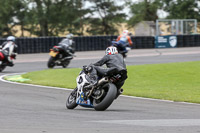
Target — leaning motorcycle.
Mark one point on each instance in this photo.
(3, 60)
(98, 95)
(120, 49)
(59, 56)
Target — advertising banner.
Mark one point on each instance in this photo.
(165, 41)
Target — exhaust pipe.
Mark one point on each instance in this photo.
(121, 91)
(67, 58)
(103, 80)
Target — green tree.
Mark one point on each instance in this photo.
(143, 11)
(80, 20)
(182, 9)
(108, 14)
(10, 10)
(52, 17)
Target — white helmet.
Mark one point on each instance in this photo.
(69, 36)
(125, 32)
(11, 38)
(111, 50)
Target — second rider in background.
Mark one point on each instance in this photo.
(67, 44)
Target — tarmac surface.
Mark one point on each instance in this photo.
(34, 109)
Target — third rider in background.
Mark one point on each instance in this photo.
(124, 39)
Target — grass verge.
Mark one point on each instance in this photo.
(171, 81)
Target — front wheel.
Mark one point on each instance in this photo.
(71, 100)
(110, 92)
(51, 62)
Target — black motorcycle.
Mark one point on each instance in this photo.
(97, 94)
(61, 55)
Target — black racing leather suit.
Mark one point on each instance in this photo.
(66, 45)
(111, 61)
(114, 63)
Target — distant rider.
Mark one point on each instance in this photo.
(124, 39)
(67, 44)
(9, 49)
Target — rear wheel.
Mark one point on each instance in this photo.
(2, 67)
(51, 62)
(109, 94)
(71, 100)
(66, 63)
(124, 55)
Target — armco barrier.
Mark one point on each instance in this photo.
(89, 43)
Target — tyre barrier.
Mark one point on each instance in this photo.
(91, 43)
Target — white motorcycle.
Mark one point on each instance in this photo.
(95, 94)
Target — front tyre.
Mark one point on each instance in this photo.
(110, 92)
(51, 62)
(71, 100)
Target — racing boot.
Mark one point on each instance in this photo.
(10, 62)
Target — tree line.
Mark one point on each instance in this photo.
(95, 17)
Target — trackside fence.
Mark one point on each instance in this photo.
(91, 43)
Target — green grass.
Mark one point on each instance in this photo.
(65, 78)
(172, 81)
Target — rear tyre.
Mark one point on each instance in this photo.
(71, 100)
(2, 67)
(65, 64)
(110, 92)
(124, 55)
(51, 62)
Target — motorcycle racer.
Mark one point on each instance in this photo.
(66, 44)
(9, 49)
(124, 39)
(115, 64)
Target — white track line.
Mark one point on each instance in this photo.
(58, 88)
(154, 123)
(1, 79)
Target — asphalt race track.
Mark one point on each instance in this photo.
(33, 109)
